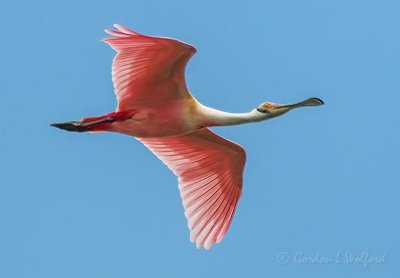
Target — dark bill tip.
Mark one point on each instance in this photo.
(321, 102)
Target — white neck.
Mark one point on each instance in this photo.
(214, 117)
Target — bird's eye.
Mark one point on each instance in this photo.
(263, 110)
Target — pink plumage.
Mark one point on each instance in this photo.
(149, 71)
(209, 170)
(156, 107)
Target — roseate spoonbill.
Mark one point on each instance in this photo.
(156, 107)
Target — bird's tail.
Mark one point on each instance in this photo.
(95, 124)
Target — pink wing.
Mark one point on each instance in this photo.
(209, 170)
(147, 71)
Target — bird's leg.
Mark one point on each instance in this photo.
(84, 126)
(72, 126)
(100, 123)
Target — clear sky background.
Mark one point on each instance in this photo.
(318, 182)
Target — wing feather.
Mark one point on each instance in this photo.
(147, 70)
(209, 170)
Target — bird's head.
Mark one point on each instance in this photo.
(270, 109)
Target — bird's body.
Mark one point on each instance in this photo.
(155, 106)
(164, 121)
(177, 118)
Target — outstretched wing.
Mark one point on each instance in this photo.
(147, 71)
(209, 169)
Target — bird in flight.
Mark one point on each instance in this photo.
(156, 107)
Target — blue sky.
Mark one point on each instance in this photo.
(318, 182)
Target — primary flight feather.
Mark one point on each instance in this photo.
(156, 107)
